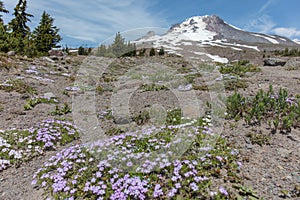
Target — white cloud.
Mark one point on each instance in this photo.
(261, 21)
(265, 6)
(287, 32)
(262, 24)
(93, 20)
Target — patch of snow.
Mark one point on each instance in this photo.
(186, 43)
(296, 41)
(267, 38)
(233, 26)
(192, 29)
(283, 39)
(237, 45)
(215, 58)
(238, 49)
(272, 36)
(213, 44)
(199, 53)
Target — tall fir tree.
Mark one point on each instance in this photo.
(18, 24)
(46, 34)
(2, 10)
(3, 32)
(152, 52)
(118, 46)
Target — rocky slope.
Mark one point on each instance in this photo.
(197, 35)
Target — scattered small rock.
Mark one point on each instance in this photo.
(49, 95)
(11, 53)
(47, 59)
(121, 120)
(185, 87)
(56, 53)
(54, 58)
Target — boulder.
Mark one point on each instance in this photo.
(274, 62)
(11, 53)
(293, 64)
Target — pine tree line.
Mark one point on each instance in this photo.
(119, 48)
(17, 36)
(288, 52)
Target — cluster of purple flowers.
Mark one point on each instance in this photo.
(34, 140)
(77, 170)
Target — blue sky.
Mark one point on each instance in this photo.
(91, 22)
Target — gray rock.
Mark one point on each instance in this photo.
(49, 95)
(56, 53)
(11, 53)
(47, 59)
(274, 62)
(293, 64)
(54, 58)
(185, 87)
(121, 120)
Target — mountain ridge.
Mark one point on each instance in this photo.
(211, 31)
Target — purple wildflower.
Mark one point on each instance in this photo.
(157, 191)
(223, 191)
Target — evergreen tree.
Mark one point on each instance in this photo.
(118, 46)
(2, 10)
(46, 34)
(18, 24)
(4, 38)
(101, 50)
(81, 51)
(152, 52)
(161, 51)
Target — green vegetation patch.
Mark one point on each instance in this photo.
(17, 85)
(279, 110)
(17, 146)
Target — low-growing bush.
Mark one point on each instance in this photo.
(32, 102)
(153, 87)
(17, 86)
(239, 68)
(281, 110)
(235, 84)
(62, 111)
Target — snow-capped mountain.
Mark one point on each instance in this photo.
(197, 33)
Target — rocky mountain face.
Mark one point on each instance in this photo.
(196, 36)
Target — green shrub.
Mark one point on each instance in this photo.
(153, 87)
(174, 117)
(238, 68)
(279, 110)
(235, 84)
(17, 86)
(152, 52)
(161, 51)
(142, 118)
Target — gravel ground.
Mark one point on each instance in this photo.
(268, 169)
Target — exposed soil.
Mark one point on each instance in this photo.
(269, 168)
